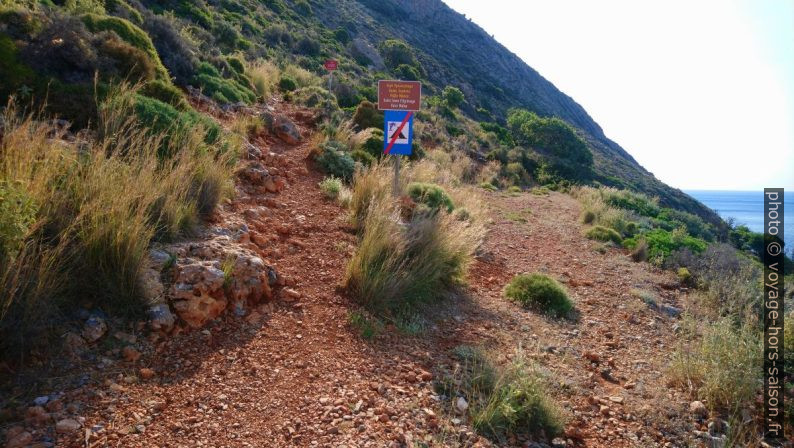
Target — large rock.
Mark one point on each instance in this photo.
(286, 130)
(198, 292)
(198, 310)
(249, 280)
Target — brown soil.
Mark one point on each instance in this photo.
(301, 376)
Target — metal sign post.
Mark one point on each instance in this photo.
(331, 65)
(399, 100)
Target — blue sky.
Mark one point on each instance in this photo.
(701, 92)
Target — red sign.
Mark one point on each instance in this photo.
(399, 95)
(331, 64)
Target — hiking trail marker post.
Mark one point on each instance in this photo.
(331, 65)
(399, 100)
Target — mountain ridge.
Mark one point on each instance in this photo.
(462, 41)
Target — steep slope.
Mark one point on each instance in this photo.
(456, 51)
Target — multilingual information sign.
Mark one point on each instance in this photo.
(399, 95)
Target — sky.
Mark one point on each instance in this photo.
(701, 93)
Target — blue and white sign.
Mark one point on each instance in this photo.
(398, 130)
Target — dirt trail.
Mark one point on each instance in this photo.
(296, 374)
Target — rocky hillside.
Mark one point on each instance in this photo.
(455, 51)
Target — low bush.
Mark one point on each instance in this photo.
(600, 233)
(172, 125)
(373, 142)
(221, 89)
(488, 186)
(453, 96)
(129, 33)
(661, 243)
(367, 115)
(362, 157)
(636, 202)
(166, 93)
(539, 292)
(728, 281)
(314, 96)
(430, 195)
(331, 186)
(287, 84)
(334, 160)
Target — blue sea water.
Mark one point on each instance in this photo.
(747, 207)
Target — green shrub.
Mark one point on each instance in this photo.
(367, 115)
(588, 217)
(287, 84)
(661, 243)
(307, 46)
(341, 35)
(129, 33)
(221, 89)
(453, 96)
(695, 226)
(514, 189)
(407, 72)
(314, 96)
(552, 135)
(334, 160)
(396, 53)
(159, 118)
(431, 195)
(539, 292)
(373, 145)
(600, 233)
(166, 93)
(363, 157)
(237, 64)
(488, 186)
(331, 186)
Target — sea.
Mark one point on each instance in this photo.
(747, 207)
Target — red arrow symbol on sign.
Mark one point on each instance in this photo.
(397, 133)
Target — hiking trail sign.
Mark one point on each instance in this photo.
(399, 100)
(331, 64)
(399, 95)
